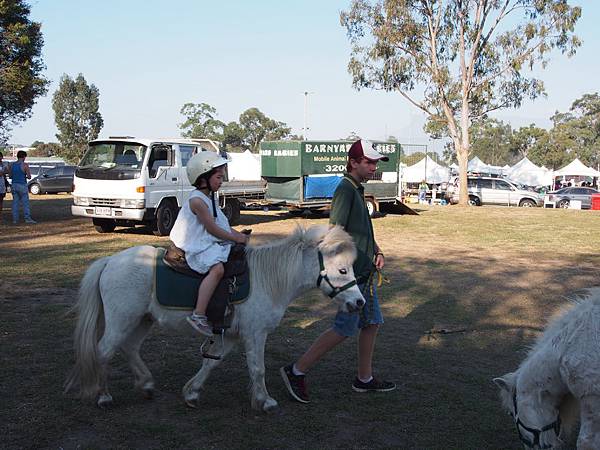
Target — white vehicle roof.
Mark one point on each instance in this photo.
(149, 141)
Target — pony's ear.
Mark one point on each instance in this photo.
(504, 382)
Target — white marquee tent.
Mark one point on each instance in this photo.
(244, 166)
(528, 173)
(576, 167)
(477, 165)
(426, 169)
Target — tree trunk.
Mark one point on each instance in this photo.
(462, 154)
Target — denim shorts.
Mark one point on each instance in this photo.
(348, 324)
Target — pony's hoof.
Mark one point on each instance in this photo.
(148, 394)
(105, 401)
(272, 407)
(192, 401)
(148, 390)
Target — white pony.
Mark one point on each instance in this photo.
(559, 381)
(118, 291)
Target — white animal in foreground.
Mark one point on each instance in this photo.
(559, 381)
(118, 290)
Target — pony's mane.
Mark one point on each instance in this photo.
(276, 265)
(580, 310)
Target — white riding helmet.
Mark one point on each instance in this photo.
(203, 162)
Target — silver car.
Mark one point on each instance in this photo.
(562, 198)
(497, 191)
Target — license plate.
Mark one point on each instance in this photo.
(102, 210)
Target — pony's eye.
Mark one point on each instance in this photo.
(343, 271)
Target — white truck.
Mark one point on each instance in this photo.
(127, 181)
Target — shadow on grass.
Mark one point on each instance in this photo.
(445, 398)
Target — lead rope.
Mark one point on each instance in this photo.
(381, 280)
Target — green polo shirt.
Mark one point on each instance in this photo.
(348, 209)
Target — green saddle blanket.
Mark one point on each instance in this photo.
(179, 291)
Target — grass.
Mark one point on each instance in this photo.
(497, 273)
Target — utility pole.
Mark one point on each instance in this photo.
(305, 129)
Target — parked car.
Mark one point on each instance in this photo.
(563, 197)
(58, 179)
(495, 191)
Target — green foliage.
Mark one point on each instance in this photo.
(41, 149)
(491, 141)
(258, 127)
(21, 64)
(253, 127)
(75, 105)
(233, 136)
(201, 122)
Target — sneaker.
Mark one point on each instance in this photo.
(374, 385)
(200, 324)
(30, 221)
(294, 384)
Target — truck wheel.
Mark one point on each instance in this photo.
(295, 212)
(371, 206)
(166, 214)
(231, 209)
(104, 225)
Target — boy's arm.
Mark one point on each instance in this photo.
(27, 171)
(341, 204)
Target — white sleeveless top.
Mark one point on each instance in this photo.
(202, 249)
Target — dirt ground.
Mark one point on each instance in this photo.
(494, 275)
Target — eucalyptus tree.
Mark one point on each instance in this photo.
(457, 60)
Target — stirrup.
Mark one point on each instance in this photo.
(210, 341)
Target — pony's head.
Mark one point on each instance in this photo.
(535, 411)
(337, 253)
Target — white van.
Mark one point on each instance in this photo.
(124, 181)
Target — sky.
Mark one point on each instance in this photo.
(150, 57)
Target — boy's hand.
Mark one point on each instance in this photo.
(379, 261)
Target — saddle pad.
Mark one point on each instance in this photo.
(179, 291)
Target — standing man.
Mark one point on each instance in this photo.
(348, 209)
(19, 172)
(3, 183)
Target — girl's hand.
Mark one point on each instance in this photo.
(240, 238)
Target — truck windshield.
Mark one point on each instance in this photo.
(108, 155)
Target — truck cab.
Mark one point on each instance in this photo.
(124, 181)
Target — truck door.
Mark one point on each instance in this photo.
(163, 175)
(185, 153)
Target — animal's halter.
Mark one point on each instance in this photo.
(335, 290)
(534, 431)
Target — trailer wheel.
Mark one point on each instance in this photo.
(371, 206)
(231, 209)
(165, 218)
(104, 225)
(295, 212)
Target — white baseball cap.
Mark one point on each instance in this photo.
(365, 149)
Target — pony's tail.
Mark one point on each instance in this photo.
(90, 315)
